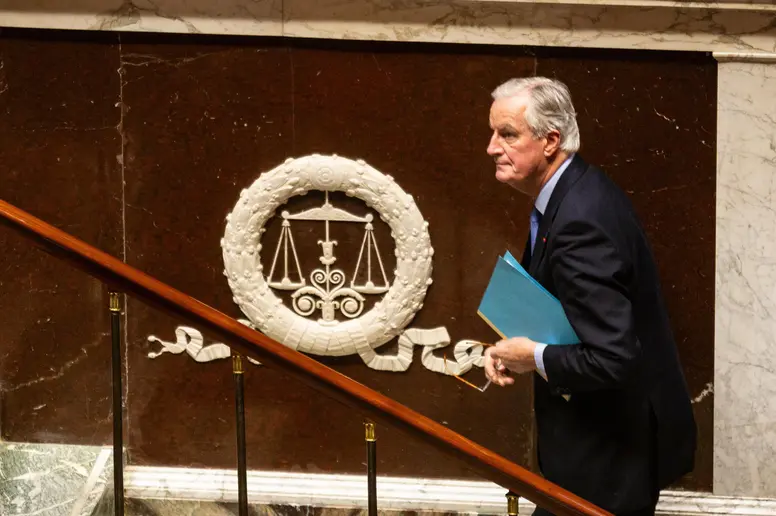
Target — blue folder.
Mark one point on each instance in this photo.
(516, 305)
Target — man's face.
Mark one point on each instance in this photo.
(520, 159)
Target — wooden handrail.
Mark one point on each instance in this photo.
(121, 277)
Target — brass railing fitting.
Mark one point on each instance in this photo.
(115, 303)
(370, 431)
(512, 504)
(237, 367)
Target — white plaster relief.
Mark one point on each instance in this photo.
(192, 342)
(465, 354)
(245, 273)
(327, 292)
(360, 333)
(745, 331)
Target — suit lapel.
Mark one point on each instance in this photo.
(526, 260)
(575, 170)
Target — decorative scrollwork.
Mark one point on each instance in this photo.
(318, 277)
(324, 293)
(337, 278)
(304, 304)
(192, 342)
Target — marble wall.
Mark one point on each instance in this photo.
(744, 428)
(214, 139)
(177, 126)
(721, 25)
(59, 143)
(54, 480)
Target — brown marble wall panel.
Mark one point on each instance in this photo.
(202, 121)
(419, 114)
(201, 118)
(214, 139)
(649, 120)
(59, 144)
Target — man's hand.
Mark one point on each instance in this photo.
(515, 354)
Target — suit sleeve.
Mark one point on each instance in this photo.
(591, 279)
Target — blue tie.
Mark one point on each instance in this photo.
(536, 219)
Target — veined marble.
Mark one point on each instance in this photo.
(52, 480)
(211, 491)
(189, 508)
(745, 348)
(260, 17)
(722, 26)
(593, 24)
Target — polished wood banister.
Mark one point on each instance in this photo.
(120, 276)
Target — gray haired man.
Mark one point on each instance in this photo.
(614, 419)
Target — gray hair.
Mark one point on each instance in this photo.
(549, 108)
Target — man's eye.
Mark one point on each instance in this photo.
(508, 136)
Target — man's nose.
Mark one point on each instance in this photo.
(494, 149)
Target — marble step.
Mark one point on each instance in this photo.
(66, 480)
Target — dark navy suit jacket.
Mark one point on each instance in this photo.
(627, 428)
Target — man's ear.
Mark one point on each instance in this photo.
(553, 143)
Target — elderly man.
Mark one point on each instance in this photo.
(613, 413)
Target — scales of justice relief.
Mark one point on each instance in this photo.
(326, 313)
(327, 292)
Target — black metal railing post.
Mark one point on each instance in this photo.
(242, 466)
(513, 504)
(118, 412)
(371, 467)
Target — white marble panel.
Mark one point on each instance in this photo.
(544, 24)
(317, 490)
(725, 26)
(256, 17)
(209, 490)
(745, 357)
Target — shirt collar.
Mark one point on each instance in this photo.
(544, 195)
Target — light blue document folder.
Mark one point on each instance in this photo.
(516, 305)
